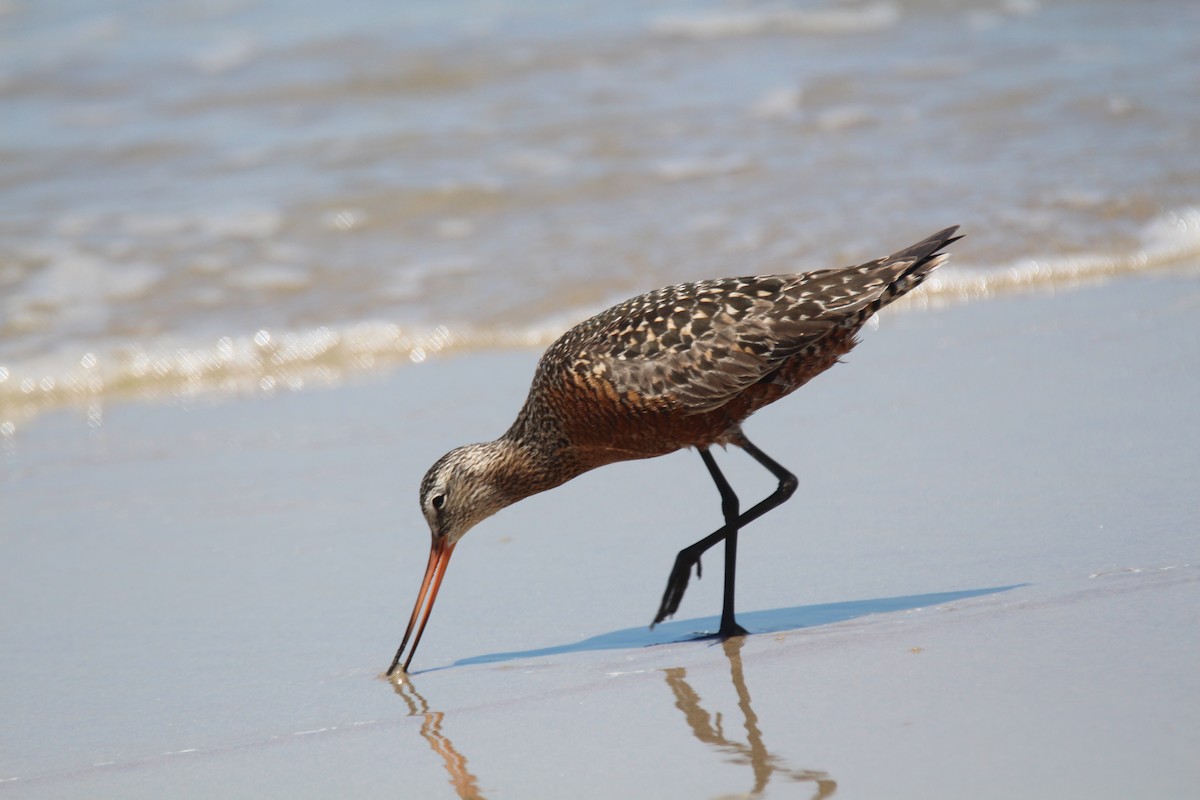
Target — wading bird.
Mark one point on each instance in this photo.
(679, 367)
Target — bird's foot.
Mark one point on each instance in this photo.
(681, 573)
(730, 629)
(726, 632)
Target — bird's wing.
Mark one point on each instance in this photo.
(696, 346)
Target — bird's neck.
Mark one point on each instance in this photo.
(518, 469)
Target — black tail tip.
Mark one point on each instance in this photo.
(928, 247)
(942, 238)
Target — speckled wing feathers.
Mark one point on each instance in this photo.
(695, 346)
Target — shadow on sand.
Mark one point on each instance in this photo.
(767, 621)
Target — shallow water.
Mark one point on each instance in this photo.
(266, 196)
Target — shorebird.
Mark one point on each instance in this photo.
(679, 367)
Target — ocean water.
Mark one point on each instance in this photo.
(236, 196)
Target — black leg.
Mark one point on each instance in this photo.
(689, 556)
(730, 508)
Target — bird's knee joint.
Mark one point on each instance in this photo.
(788, 486)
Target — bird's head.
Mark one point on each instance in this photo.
(461, 489)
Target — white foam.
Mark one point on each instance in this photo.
(254, 223)
(1172, 238)
(781, 103)
(231, 50)
(1021, 8)
(683, 169)
(269, 360)
(264, 361)
(826, 21)
(69, 286)
(843, 118)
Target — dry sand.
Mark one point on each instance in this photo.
(986, 586)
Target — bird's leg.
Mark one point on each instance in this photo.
(688, 557)
(787, 481)
(730, 508)
(681, 572)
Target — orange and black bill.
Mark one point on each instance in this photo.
(439, 559)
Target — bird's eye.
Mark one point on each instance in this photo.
(438, 501)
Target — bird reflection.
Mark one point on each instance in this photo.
(464, 783)
(708, 729)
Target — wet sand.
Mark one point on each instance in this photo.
(986, 585)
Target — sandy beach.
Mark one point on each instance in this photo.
(262, 263)
(986, 586)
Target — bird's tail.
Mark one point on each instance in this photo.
(910, 266)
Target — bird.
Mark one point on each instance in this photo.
(680, 367)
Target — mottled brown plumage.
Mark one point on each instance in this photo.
(679, 367)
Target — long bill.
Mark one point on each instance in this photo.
(439, 559)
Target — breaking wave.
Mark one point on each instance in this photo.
(270, 361)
